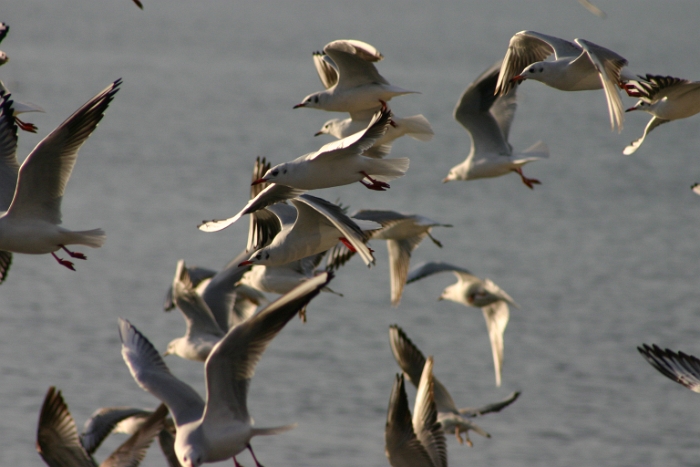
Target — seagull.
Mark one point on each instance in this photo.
(417, 443)
(402, 232)
(203, 332)
(59, 445)
(666, 98)
(411, 360)
(316, 227)
(22, 107)
(342, 162)
(680, 367)
(107, 420)
(469, 290)
(578, 66)
(354, 84)
(487, 118)
(4, 29)
(31, 194)
(417, 127)
(220, 428)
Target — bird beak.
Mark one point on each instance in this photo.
(631, 109)
(299, 105)
(318, 133)
(445, 180)
(166, 353)
(258, 181)
(439, 299)
(517, 78)
(245, 263)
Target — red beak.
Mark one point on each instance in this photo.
(631, 109)
(245, 263)
(299, 105)
(258, 181)
(517, 78)
(318, 133)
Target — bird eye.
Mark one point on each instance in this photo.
(258, 256)
(284, 171)
(532, 70)
(316, 99)
(267, 255)
(275, 172)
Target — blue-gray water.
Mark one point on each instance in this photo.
(602, 257)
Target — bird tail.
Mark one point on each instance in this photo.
(417, 127)
(93, 238)
(389, 169)
(537, 151)
(273, 430)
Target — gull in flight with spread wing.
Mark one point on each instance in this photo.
(31, 194)
(666, 98)
(221, 427)
(487, 118)
(411, 360)
(680, 367)
(353, 82)
(577, 66)
(470, 290)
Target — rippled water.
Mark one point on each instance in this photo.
(602, 257)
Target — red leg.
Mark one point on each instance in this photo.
(375, 185)
(235, 462)
(347, 244)
(73, 254)
(258, 464)
(527, 181)
(63, 262)
(30, 127)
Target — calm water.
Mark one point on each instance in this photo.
(602, 257)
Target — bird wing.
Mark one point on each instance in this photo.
(355, 63)
(474, 112)
(680, 367)
(488, 408)
(326, 69)
(195, 310)
(411, 361)
(496, 316)
(151, 373)
(231, 363)
(270, 195)
(433, 267)
(9, 167)
(428, 431)
(57, 436)
(103, 421)
(399, 260)
(45, 172)
(401, 446)
(634, 145)
(132, 451)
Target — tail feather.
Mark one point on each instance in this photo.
(273, 430)
(537, 151)
(93, 238)
(417, 127)
(389, 169)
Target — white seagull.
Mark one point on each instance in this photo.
(203, 332)
(220, 428)
(402, 232)
(680, 367)
(59, 445)
(31, 194)
(22, 107)
(354, 84)
(666, 98)
(411, 360)
(487, 118)
(469, 290)
(419, 442)
(577, 66)
(343, 162)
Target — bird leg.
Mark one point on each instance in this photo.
(63, 262)
(258, 464)
(527, 181)
(235, 462)
(302, 314)
(347, 244)
(26, 126)
(435, 241)
(73, 254)
(457, 434)
(376, 185)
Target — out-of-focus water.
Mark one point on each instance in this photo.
(602, 257)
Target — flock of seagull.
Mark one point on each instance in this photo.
(229, 320)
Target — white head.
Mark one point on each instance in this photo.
(312, 101)
(275, 174)
(458, 172)
(640, 105)
(539, 71)
(262, 256)
(332, 127)
(453, 293)
(188, 455)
